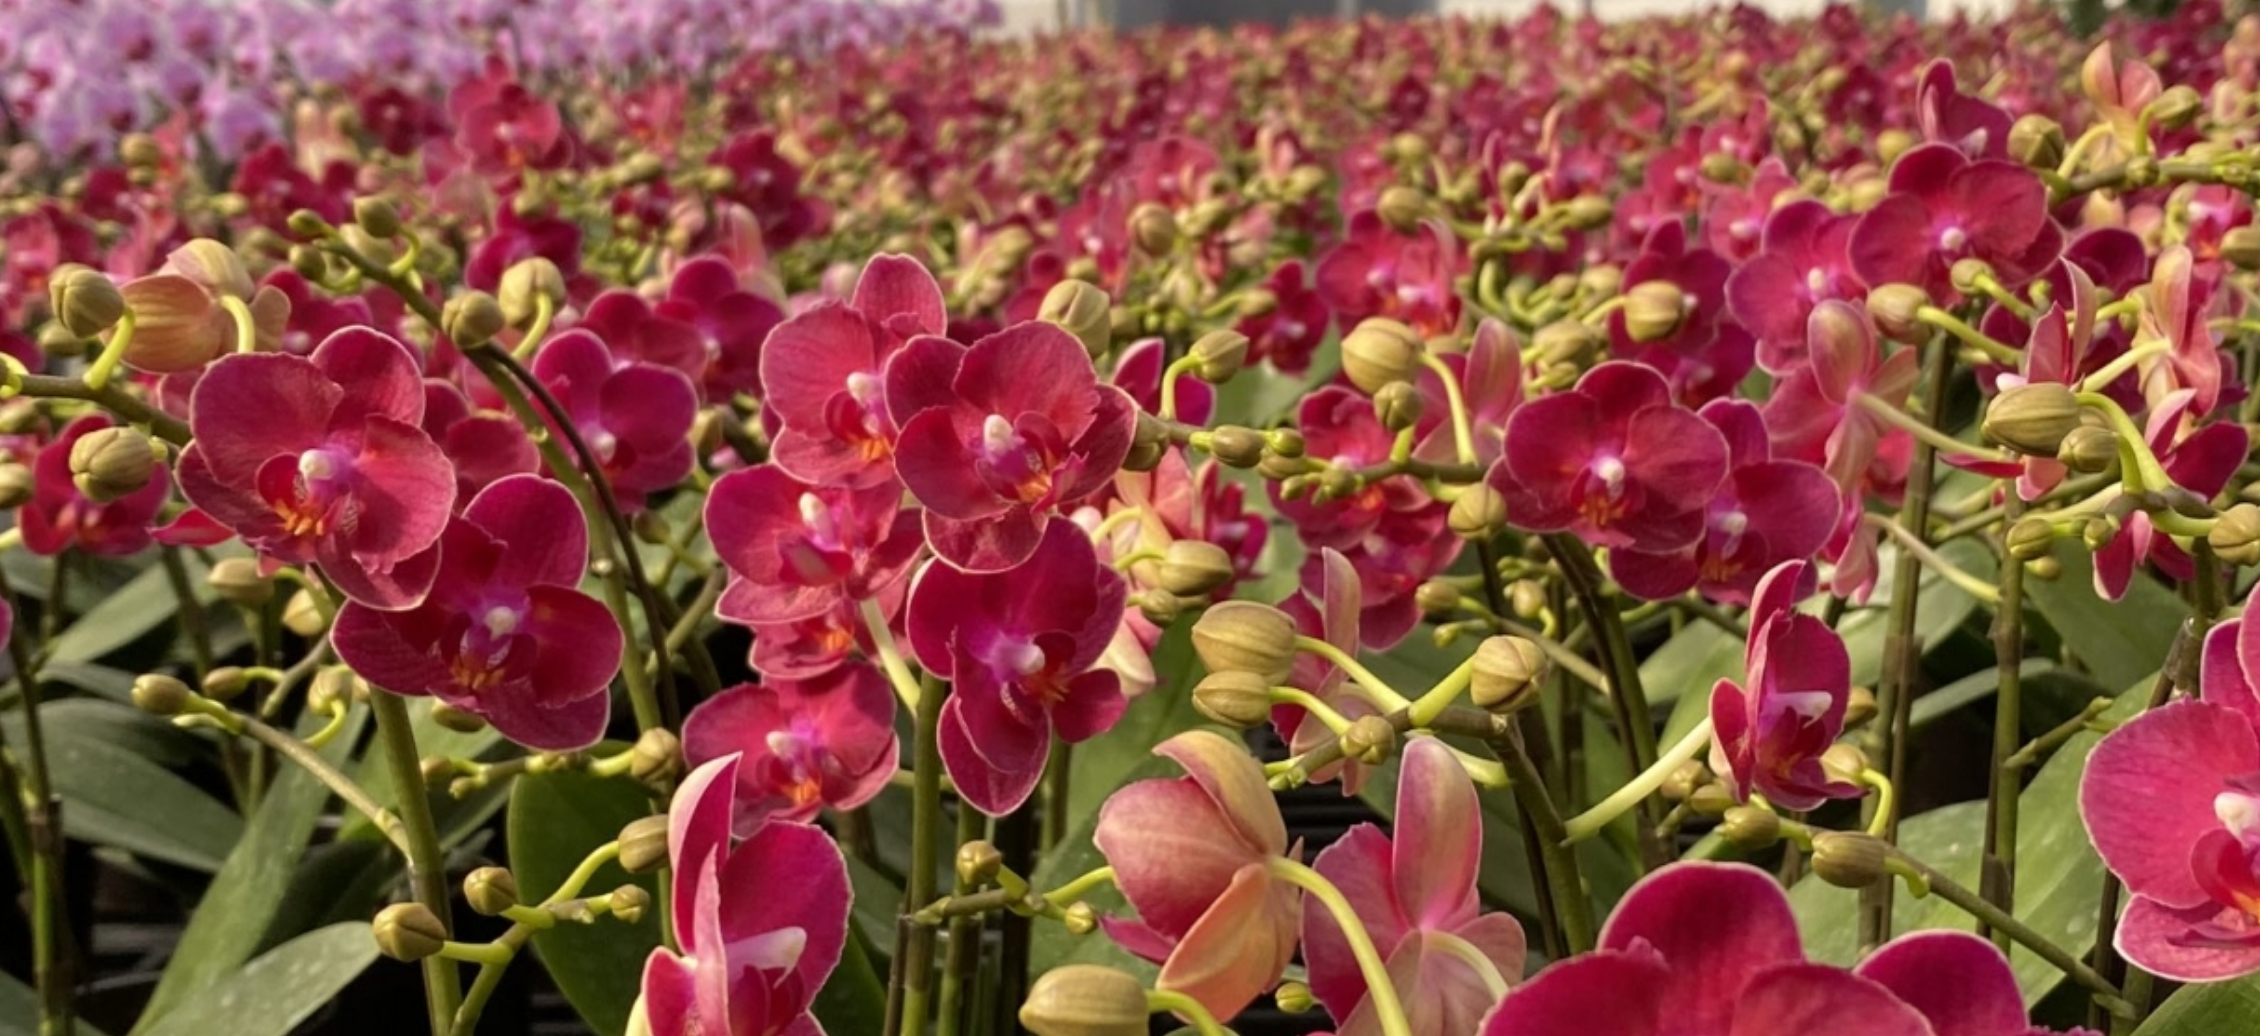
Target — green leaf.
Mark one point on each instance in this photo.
(877, 897)
(231, 922)
(2121, 641)
(2059, 876)
(114, 795)
(1940, 609)
(285, 986)
(854, 999)
(556, 820)
(2212, 1009)
(19, 1010)
(1684, 670)
(107, 721)
(432, 739)
(134, 609)
(1103, 763)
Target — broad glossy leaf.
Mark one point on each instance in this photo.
(455, 818)
(854, 999)
(2213, 1009)
(134, 609)
(877, 897)
(231, 922)
(1940, 609)
(1103, 763)
(115, 796)
(556, 820)
(2119, 642)
(19, 1010)
(285, 986)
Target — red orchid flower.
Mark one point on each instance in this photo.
(827, 742)
(822, 373)
(1772, 728)
(795, 550)
(1614, 461)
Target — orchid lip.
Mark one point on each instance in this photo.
(863, 387)
(1953, 239)
(2239, 813)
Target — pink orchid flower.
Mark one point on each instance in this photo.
(504, 634)
(1766, 512)
(794, 550)
(822, 374)
(1773, 727)
(1614, 461)
(803, 745)
(1416, 894)
(634, 416)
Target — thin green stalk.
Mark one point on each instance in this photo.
(488, 979)
(2022, 934)
(190, 611)
(1589, 823)
(54, 965)
(1190, 1009)
(1998, 882)
(1379, 990)
(1901, 648)
(1059, 775)
(109, 397)
(963, 961)
(427, 865)
(1572, 909)
(917, 974)
(1635, 720)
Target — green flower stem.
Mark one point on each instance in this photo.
(2124, 362)
(1484, 967)
(1177, 368)
(961, 964)
(1463, 428)
(1589, 823)
(488, 978)
(1447, 690)
(1531, 724)
(1635, 720)
(1573, 910)
(113, 354)
(584, 873)
(2138, 466)
(2022, 934)
(320, 739)
(107, 396)
(1993, 348)
(890, 656)
(1378, 989)
(427, 865)
(1997, 882)
(344, 787)
(190, 611)
(1383, 696)
(1886, 802)
(1931, 559)
(917, 951)
(545, 311)
(54, 965)
(246, 330)
(1186, 1007)
(1902, 650)
(1067, 894)
(1924, 433)
(1335, 722)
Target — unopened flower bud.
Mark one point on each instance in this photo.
(1437, 597)
(643, 844)
(2176, 108)
(1236, 446)
(472, 319)
(1653, 310)
(1507, 673)
(161, 695)
(225, 683)
(978, 863)
(2235, 536)
(1968, 274)
(1248, 636)
(1370, 740)
(1380, 351)
(2030, 538)
(628, 902)
(1749, 827)
(2037, 141)
(1859, 706)
(1711, 800)
(1479, 512)
(139, 150)
(302, 616)
(1085, 1000)
(333, 688)
(1849, 859)
(1293, 998)
(408, 932)
(657, 757)
(1218, 355)
(1844, 762)
(491, 890)
(1402, 208)
(15, 486)
(1190, 568)
(1601, 280)
(1153, 229)
(1567, 341)
(85, 302)
(1082, 310)
(2241, 247)
(1079, 919)
(1285, 442)
(2099, 531)
(1527, 597)
(1398, 405)
(435, 770)
(1896, 310)
(1684, 780)
(2089, 449)
(1891, 143)
(376, 217)
(462, 721)
(239, 581)
(1159, 606)
(1587, 212)
(524, 282)
(1235, 698)
(109, 463)
(2033, 418)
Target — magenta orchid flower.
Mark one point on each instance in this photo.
(1379, 271)
(822, 373)
(1771, 729)
(322, 460)
(59, 517)
(1766, 512)
(1021, 647)
(1815, 413)
(751, 961)
(1290, 330)
(803, 648)
(635, 417)
(1614, 461)
(1339, 427)
(2172, 802)
(824, 742)
(504, 634)
(1415, 892)
(2176, 313)
(1944, 207)
(999, 435)
(484, 446)
(1193, 856)
(1331, 610)
(1957, 981)
(730, 323)
(795, 550)
(1704, 949)
(1805, 260)
(2200, 461)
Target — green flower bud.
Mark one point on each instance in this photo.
(472, 319)
(161, 695)
(109, 463)
(408, 932)
(1082, 310)
(376, 217)
(523, 283)
(1684, 780)
(1249, 636)
(2089, 449)
(491, 890)
(2030, 538)
(1219, 355)
(2241, 247)
(1711, 800)
(1479, 512)
(1398, 406)
(1190, 568)
(1236, 446)
(2037, 141)
(139, 150)
(1437, 598)
(1285, 442)
(1153, 229)
(1588, 212)
(1370, 740)
(1402, 208)
(2033, 418)
(628, 902)
(302, 616)
(1653, 310)
(1380, 351)
(1567, 341)
(978, 863)
(1293, 998)
(1850, 860)
(657, 757)
(1896, 310)
(1235, 698)
(225, 683)
(15, 486)
(1749, 827)
(1527, 597)
(1844, 762)
(1160, 607)
(643, 844)
(461, 721)
(1085, 1000)
(2235, 537)
(1507, 673)
(2176, 108)
(239, 581)
(85, 302)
